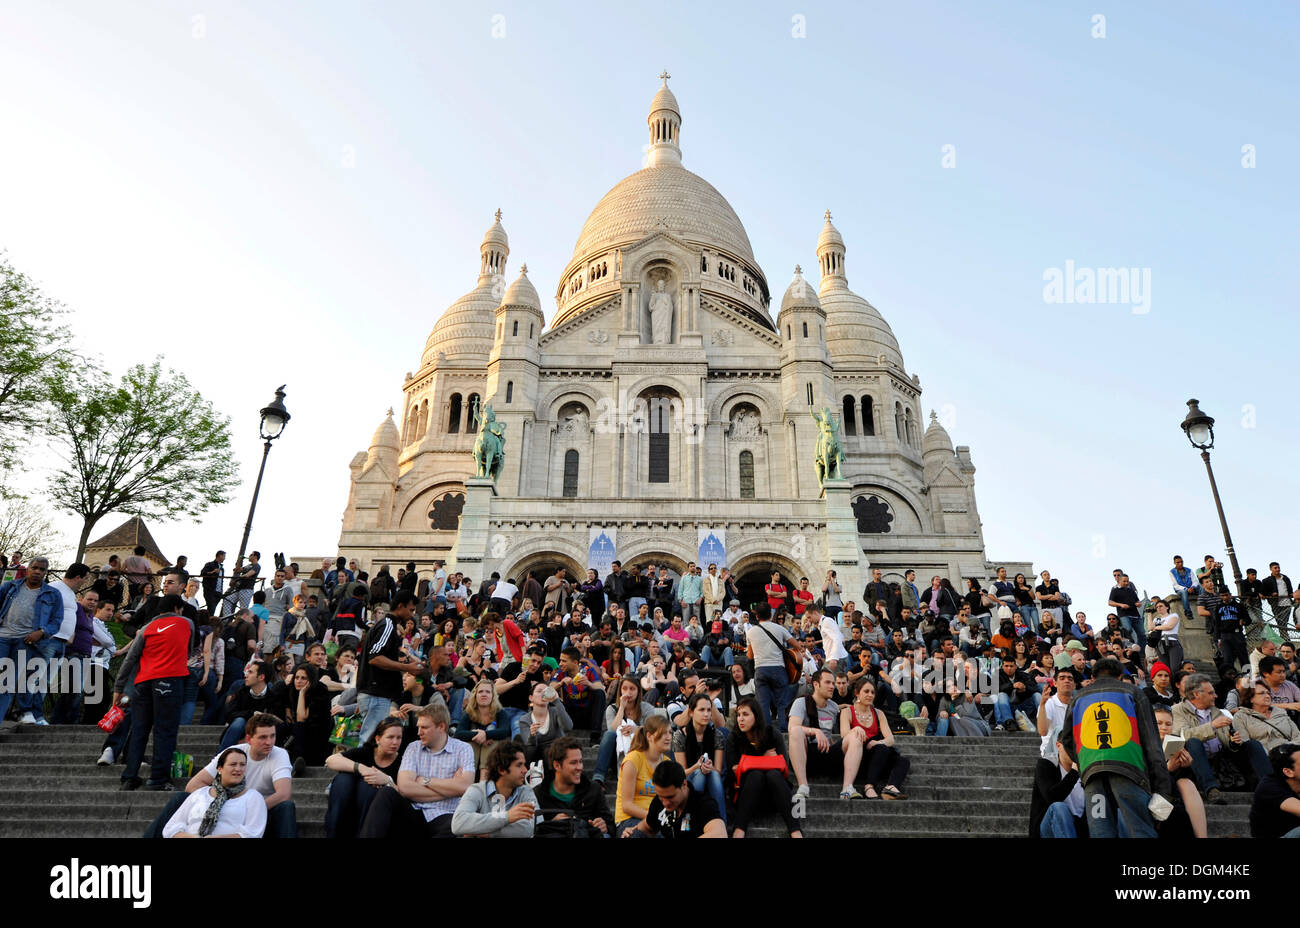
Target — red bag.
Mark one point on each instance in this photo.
(750, 762)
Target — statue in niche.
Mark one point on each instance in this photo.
(744, 427)
(575, 423)
(661, 315)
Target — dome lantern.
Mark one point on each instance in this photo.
(665, 122)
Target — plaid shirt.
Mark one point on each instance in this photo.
(440, 765)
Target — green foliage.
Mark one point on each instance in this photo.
(148, 446)
(34, 348)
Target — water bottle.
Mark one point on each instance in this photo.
(113, 717)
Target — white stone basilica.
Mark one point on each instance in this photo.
(663, 405)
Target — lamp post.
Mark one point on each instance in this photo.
(1200, 432)
(274, 418)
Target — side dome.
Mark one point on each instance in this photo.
(522, 292)
(800, 293)
(937, 440)
(855, 330)
(385, 444)
(464, 332)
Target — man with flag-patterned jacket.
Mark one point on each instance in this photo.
(1110, 733)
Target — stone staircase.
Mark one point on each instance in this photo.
(958, 787)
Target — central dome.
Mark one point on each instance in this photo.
(687, 204)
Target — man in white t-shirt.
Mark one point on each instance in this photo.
(269, 772)
(503, 595)
(837, 656)
(1051, 711)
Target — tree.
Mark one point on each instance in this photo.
(150, 447)
(24, 527)
(34, 348)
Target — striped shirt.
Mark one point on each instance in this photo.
(439, 765)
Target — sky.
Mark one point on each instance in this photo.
(274, 192)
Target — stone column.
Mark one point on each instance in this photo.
(842, 537)
(471, 547)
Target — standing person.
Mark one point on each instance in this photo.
(1185, 585)
(51, 646)
(501, 594)
(1279, 592)
(803, 598)
(1121, 765)
(245, 579)
(67, 708)
(435, 772)
(213, 583)
(714, 589)
(30, 610)
(876, 591)
(1168, 625)
(1124, 600)
(832, 595)
(158, 662)
(776, 592)
(279, 597)
(380, 665)
(557, 591)
(137, 569)
(766, 645)
(690, 591)
(1229, 619)
(111, 589)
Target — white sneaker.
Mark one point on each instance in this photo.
(105, 759)
(28, 719)
(803, 791)
(42, 721)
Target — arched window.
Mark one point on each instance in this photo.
(571, 473)
(411, 415)
(868, 416)
(514, 329)
(850, 420)
(810, 395)
(472, 413)
(907, 424)
(510, 390)
(746, 475)
(453, 415)
(805, 330)
(898, 421)
(788, 336)
(660, 413)
(423, 419)
(530, 330)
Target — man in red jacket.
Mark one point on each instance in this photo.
(158, 659)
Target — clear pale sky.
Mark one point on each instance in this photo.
(271, 193)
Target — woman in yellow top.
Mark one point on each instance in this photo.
(651, 744)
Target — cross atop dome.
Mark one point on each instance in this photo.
(390, 412)
(798, 269)
(523, 269)
(665, 75)
(499, 213)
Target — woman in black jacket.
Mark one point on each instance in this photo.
(758, 789)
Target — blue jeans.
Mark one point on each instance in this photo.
(373, 709)
(1002, 708)
(349, 801)
(157, 708)
(191, 697)
(711, 784)
(233, 734)
(214, 704)
(727, 657)
(51, 652)
(1058, 822)
(14, 649)
(1137, 629)
(457, 705)
(1115, 806)
(772, 688)
(513, 715)
(605, 755)
(1248, 758)
(1030, 615)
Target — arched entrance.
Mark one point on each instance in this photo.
(753, 573)
(541, 565)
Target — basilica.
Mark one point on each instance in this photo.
(668, 413)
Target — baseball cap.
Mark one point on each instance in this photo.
(1075, 646)
(734, 602)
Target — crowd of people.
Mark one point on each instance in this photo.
(446, 708)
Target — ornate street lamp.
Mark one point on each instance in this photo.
(274, 418)
(1200, 432)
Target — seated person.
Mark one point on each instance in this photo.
(1264, 721)
(268, 773)
(569, 804)
(434, 774)
(698, 747)
(582, 690)
(651, 745)
(546, 722)
(500, 805)
(1209, 733)
(1275, 810)
(484, 723)
(227, 808)
(864, 731)
(763, 785)
(814, 732)
(622, 719)
(677, 811)
(255, 696)
(1057, 807)
(360, 773)
(1188, 800)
